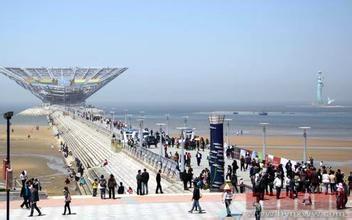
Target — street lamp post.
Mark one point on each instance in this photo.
(161, 138)
(227, 130)
(129, 121)
(167, 122)
(305, 143)
(264, 138)
(141, 120)
(112, 121)
(141, 125)
(182, 139)
(8, 116)
(126, 111)
(185, 119)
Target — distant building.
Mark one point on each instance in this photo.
(62, 85)
(320, 86)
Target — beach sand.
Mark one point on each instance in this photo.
(38, 155)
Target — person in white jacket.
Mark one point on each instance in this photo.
(277, 184)
(326, 181)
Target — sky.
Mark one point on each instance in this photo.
(185, 51)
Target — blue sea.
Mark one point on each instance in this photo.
(284, 119)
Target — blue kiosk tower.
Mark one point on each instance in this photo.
(216, 155)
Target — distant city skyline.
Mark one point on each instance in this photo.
(186, 51)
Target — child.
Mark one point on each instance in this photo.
(242, 187)
(130, 191)
(82, 181)
(95, 187)
(307, 200)
(258, 210)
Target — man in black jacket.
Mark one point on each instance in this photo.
(184, 178)
(112, 185)
(34, 198)
(139, 183)
(145, 179)
(196, 196)
(158, 185)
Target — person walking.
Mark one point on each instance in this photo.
(34, 199)
(26, 194)
(242, 161)
(102, 185)
(234, 167)
(139, 182)
(234, 182)
(258, 210)
(112, 185)
(158, 183)
(67, 201)
(196, 197)
(227, 198)
(199, 157)
(228, 173)
(145, 179)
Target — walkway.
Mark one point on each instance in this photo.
(93, 148)
(173, 206)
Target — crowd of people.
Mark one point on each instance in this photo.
(64, 149)
(303, 177)
(266, 178)
(30, 193)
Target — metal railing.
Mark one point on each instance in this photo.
(167, 166)
(96, 126)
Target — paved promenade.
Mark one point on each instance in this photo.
(173, 206)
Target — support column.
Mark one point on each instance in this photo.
(216, 154)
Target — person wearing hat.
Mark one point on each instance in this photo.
(227, 198)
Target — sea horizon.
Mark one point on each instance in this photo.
(284, 118)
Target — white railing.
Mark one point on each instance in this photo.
(167, 166)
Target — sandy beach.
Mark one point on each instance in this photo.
(38, 154)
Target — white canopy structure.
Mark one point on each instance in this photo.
(62, 85)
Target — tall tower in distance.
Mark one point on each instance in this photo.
(320, 86)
